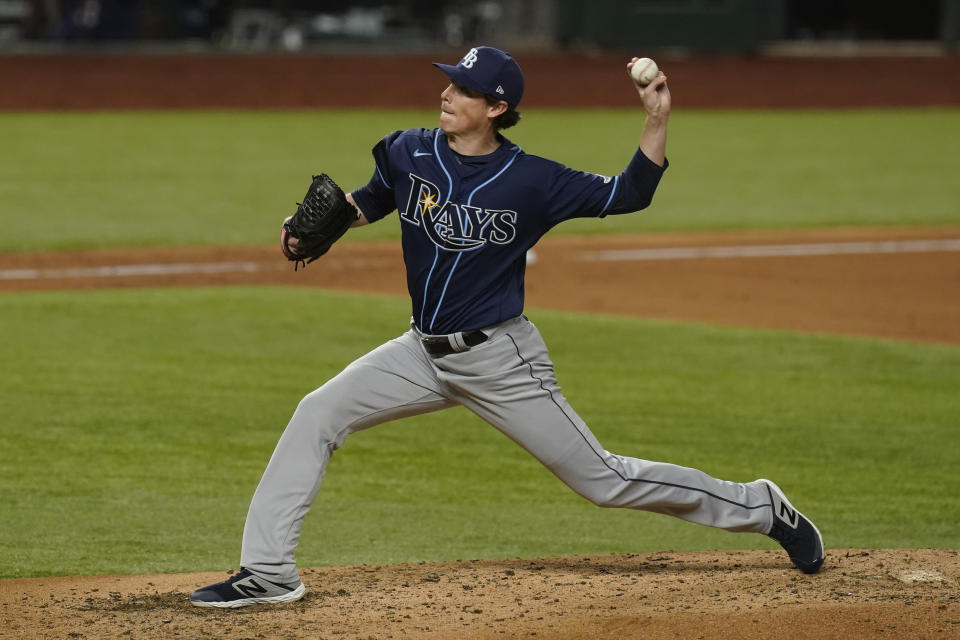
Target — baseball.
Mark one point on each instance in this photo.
(644, 71)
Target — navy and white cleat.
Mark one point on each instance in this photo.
(795, 532)
(244, 589)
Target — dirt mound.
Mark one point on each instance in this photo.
(716, 594)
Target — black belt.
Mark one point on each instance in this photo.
(438, 346)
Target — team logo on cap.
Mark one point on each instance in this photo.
(469, 59)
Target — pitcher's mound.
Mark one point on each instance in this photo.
(712, 594)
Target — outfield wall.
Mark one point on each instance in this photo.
(121, 81)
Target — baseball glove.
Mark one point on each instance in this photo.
(320, 220)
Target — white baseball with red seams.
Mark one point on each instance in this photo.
(644, 71)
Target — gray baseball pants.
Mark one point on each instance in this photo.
(509, 382)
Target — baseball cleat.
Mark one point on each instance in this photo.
(794, 531)
(244, 589)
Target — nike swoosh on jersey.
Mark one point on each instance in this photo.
(418, 153)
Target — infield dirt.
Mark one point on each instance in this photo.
(868, 290)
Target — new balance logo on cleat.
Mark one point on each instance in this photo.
(790, 516)
(250, 587)
(244, 589)
(794, 531)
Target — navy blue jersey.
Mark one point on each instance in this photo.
(468, 221)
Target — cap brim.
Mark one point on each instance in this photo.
(458, 75)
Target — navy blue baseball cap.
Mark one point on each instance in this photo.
(489, 71)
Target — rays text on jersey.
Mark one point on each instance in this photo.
(453, 226)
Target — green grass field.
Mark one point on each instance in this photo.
(136, 425)
(88, 180)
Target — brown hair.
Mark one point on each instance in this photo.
(505, 120)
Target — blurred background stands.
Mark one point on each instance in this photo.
(675, 26)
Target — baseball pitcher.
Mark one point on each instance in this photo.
(470, 203)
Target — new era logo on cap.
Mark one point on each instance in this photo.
(490, 71)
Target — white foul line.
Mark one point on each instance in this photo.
(775, 250)
(120, 271)
(609, 255)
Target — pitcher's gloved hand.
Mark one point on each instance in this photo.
(320, 220)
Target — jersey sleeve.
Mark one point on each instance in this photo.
(375, 199)
(578, 194)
